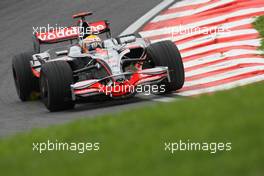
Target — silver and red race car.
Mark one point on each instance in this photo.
(113, 67)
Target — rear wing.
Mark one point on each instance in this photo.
(68, 34)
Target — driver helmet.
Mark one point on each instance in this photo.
(91, 43)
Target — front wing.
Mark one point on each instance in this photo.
(116, 89)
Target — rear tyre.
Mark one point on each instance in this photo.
(26, 83)
(55, 80)
(166, 53)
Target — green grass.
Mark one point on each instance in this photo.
(132, 142)
(259, 25)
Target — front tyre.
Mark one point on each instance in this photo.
(166, 53)
(25, 82)
(55, 80)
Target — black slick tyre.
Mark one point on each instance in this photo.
(55, 80)
(26, 83)
(166, 53)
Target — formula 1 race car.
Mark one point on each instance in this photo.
(112, 67)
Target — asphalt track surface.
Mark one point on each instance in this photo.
(17, 19)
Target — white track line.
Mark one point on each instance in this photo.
(226, 86)
(224, 65)
(255, 43)
(220, 56)
(190, 12)
(188, 3)
(164, 99)
(214, 36)
(224, 27)
(177, 29)
(222, 76)
(141, 21)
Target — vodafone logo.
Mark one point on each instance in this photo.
(50, 33)
(58, 34)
